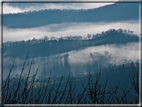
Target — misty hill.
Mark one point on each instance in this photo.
(109, 13)
(45, 47)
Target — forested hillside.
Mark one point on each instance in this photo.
(52, 46)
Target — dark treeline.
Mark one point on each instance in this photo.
(46, 46)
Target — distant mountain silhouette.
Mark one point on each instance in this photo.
(109, 13)
(44, 47)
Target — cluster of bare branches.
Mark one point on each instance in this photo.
(22, 90)
(15, 89)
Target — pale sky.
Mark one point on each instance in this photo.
(11, 9)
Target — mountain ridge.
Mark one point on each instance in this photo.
(107, 13)
(51, 47)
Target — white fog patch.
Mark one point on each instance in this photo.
(66, 29)
(118, 54)
(8, 9)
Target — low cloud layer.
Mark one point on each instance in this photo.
(104, 55)
(66, 29)
(118, 53)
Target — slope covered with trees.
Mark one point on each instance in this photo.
(52, 46)
(107, 13)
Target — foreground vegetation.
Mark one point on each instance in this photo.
(23, 89)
